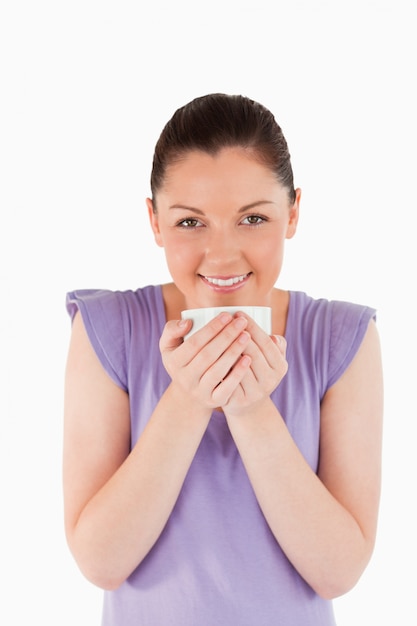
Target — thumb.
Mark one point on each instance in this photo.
(173, 334)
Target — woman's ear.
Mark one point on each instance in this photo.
(294, 215)
(153, 218)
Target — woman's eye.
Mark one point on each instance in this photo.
(253, 220)
(189, 222)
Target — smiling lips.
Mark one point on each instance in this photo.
(226, 283)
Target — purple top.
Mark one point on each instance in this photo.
(216, 561)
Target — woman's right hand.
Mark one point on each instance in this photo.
(209, 365)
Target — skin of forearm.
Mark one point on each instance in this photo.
(121, 523)
(319, 536)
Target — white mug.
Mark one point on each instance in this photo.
(260, 314)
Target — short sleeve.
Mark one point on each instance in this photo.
(104, 318)
(349, 323)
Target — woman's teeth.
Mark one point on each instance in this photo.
(228, 282)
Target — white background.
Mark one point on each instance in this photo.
(86, 87)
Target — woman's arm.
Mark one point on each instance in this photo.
(326, 524)
(116, 501)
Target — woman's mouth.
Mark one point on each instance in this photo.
(226, 283)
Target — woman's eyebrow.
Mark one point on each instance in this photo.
(247, 207)
(186, 208)
(252, 205)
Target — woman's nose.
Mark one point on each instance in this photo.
(222, 249)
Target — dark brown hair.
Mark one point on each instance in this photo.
(216, 121)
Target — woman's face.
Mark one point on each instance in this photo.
(223, 221)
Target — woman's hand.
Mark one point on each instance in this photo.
(268, 368)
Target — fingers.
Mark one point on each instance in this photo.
(205, 347)
(228, 386)
(223, 368)
(281, 342)
(269, 361)
(208, 357)
(200, 338)
(267, 347)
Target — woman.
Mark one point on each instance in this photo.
(229, 477)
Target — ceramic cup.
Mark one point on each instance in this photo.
(260, 314)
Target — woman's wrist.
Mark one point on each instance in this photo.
(251, 413)
(184, 404)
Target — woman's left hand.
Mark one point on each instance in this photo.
(268, 368)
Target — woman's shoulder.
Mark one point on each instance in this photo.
(306, 307)
(113, 319)
(112, 302)
(331, 331)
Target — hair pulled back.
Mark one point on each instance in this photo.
(216, 121)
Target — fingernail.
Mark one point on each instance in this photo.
(182, 323)
(243, 337)
(240, 322)
(224, 318)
